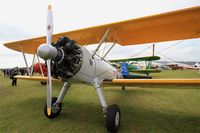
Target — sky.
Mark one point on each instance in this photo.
(23, 19)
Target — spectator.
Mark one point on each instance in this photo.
(14, 73)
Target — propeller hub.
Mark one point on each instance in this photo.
(46, 52)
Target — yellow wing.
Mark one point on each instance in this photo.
(154, 81)
(127, 81)
(175, 25)
(36, 78)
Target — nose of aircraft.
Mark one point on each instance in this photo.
(46, 52)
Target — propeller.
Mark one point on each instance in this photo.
(48, 52)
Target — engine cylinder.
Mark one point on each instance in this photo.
(68, 60)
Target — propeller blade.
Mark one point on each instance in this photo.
(49, 25)
(48, 40)
(49, 88)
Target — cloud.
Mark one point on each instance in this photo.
(19, 21)
(9, 32)
(186, 50)
(10, 58)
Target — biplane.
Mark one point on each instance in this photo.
(181, 66)
(67, 60)
(131, 64)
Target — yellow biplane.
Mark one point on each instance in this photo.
(68, 61)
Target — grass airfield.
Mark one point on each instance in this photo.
(147, 109)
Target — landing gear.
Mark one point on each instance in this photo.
(112, 113)
(56, 108)
(43, 83)
(123, 87)
(57, 102)
(113, 118)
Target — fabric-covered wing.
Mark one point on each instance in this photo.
(175, 25)
(146, 58)
(36, 78)
(153, 81)
(127, 81)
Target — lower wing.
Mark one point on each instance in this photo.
(153, 81)
(35, 78)
(127, 81)
(146, 71)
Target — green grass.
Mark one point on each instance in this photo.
(167, 109)
(177, 74)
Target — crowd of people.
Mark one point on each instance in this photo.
(12, 72)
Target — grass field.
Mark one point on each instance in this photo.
(163, 109)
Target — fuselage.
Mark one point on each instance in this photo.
(94, 67)
(71, 61)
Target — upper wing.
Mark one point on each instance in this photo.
(146, 58)
(175, 25)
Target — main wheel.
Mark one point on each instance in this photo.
(43, 83)
(113, 118)
(123, 87)
(55, 109)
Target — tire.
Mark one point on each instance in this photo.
(55, 111)
(43, 83)
(123, 88)
(113, 118)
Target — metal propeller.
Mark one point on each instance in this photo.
(48, 40)
(48, 52)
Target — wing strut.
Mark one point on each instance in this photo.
(33, 62)
(108, 50)
(26, 63)
(40, 65)
(102, 41)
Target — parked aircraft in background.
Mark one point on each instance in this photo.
(134, 65)
(181, 66)
(196, 65)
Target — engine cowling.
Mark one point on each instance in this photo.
(68, 60)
